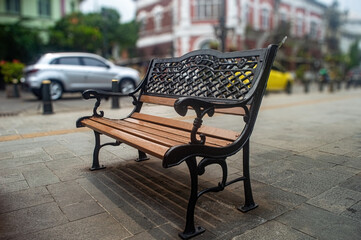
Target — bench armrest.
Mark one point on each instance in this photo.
(202, 107)
(91, 93)
(99, 95)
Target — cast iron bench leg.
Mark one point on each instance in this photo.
(141, 156)
(190, 230)
(249, 202)
(97, 148)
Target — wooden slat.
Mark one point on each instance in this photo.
(147, 134)
(170, 102)
(185, 134)
(207, 130)
(158, 100)
(233, 111)
(152, 148)
(174, 136)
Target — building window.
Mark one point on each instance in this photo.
(207, 9)
(44, 8)
(299, 27)
(13, 6)
(313, 30)
(283, 18)
(158, 16)
(247, 14)
(265, 15)
(142, 20)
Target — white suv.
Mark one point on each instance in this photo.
(76, 72)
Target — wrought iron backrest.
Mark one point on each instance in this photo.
(228, 77)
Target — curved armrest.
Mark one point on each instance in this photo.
(201, 107)
(91, 93)
(99, 95)
(182, 104)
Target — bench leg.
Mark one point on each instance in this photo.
(249, 202)
(190, 230)
(97, 148)
(141, 156)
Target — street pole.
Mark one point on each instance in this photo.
(222, 23)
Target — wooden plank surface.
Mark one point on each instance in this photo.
(155, 149)
(170, 102)
(154, 132)
(207, 130)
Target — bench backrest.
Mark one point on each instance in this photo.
(226, 77)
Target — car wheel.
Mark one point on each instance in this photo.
(126, 85)
(56, 90)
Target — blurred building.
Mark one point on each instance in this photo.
(351, 32)
(174, 27)
(40, 14)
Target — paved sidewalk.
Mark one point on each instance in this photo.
(305, 169)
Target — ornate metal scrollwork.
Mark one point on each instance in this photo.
(201, 108)
(96, 105)
(201, 169)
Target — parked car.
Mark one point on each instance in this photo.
(76, 72)
(279, 79)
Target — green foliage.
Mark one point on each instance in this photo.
(300, 71)
(18, 42)
(12, 71)
(72, 33)
(93, 31)
(354, 55)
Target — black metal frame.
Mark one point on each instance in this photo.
(203, 80)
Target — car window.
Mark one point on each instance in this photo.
(67, 61)
(93, 62)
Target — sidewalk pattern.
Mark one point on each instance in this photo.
(305, 166)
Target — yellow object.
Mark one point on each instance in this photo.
(279, 79)
(46, 82)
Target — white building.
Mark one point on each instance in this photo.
(174, 27)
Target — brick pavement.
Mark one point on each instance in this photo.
(305, 166)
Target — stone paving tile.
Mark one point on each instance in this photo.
(102, 194)
(354, 162)
(5, 155)
(354, 212)
(75, 202)
(353, 183)
(317, 155)
(312, 182)
(81, 210)
(40, 177)
(13, 186)
(30, 220)
(273, 230)
(24, 199)
(20, 161)
(64, 163)
(321, 224)
(7, 177)
(274, 171)
(101, 226)
(336, 200)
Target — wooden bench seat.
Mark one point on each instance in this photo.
(155, 135)
(208, 82)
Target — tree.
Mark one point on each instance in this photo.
(92, 32)
(354, 55)
(72, 33)
(19, 42)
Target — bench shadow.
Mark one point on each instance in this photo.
(156, 200)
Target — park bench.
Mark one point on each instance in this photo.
(207, 82)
